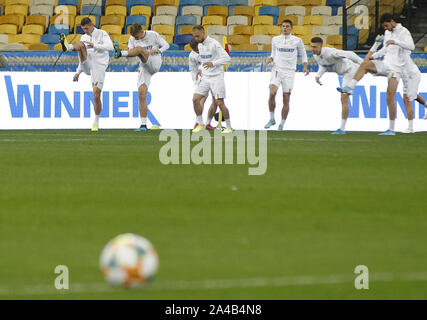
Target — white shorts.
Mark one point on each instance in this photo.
(348, 76)
(384, 70)
(215, 84)
(411, 84)
(148, 69)
(96, 73)
(284, 79)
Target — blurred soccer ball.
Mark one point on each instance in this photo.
(128, 260)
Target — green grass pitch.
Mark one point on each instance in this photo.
(325, 205)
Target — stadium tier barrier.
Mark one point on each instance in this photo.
(173, 61)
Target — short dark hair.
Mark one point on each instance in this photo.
(194, 44)
(287, 21)
(386, 17)
(85, 21)
(199, 27)
(135, 28)
(317, 40)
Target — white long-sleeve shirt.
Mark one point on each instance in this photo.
(338, 61)
(211, 50)
(194, 63)
(394, 55)
(285, 50)
(102, 44)
(151, 40)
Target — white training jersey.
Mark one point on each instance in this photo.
(285, 50)
(102, 44)
(338, 61)
(211, 50)
(151, 40)
(194, 62)
(394, 55)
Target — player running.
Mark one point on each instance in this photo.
(93, 49)
(344, 63)
(194, 64)
(148, 45)
(213, 58)
(284, 54)
(398, 40)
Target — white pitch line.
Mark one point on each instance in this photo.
(178, 285)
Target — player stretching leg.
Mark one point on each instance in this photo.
(284, 55)
(213, 58)
(93, 50)
(397, 40)
(344, 63)
(148, 46)
(194, 64)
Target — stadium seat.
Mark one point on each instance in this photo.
(142, 20)
(321, 11)
(173, 47)
(63, 19)
(68, 3)
(37, 20)
(237, 21)
(213, 20)
(46, 10)
(243, 11)
(90, 10)
(75, 37)
(78, 20)
(115, 3)
(244, 47)
(160, 3)
(334, 21)
(182, 39)
(271, 11)
(110, 20)
(33, 29)
(243, 30)
(208, 3)
(49, 38)
(294, 19)
(266, 30)
(266, 47)
(93, 3)
(166, 11)
(145, 3)
(234, 3)
(13, 19)
(12, 47)
(295, 10)
(302, 30)
(185, 29)
(112, 29)
(9, 29)
(238, 39)
(425, 49)
(16, 9)
(335, 4)
(335, 41)
(183, 20)
(58, 29)
(79, 30)
(141, 11)
(189, 3)
(14, 2)
(38, 47)
(116, 10)
(164, 29)
(66, 10)
(167, 20)
(218, 11)
(312, 20)
(193, 11)
(217, 30)
(260, 40)
(262, 20)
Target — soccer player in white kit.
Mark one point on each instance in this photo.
(344, 63)
(398, 40)
(194, 64)
(213, 58)
(284, 54)
(93, 49)
(148, 45)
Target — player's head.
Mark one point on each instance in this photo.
(286, 27)
(199, 33)
(388, 22)
(194, 45)
(87, 25)
(316, 45)
(137, 31)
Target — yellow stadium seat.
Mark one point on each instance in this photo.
(63, 19)
(111, 20)
(244, 47)
(33, 29)
(335, 41)
(57, 47)
(115, 10)
(165, 29)
(78, 19)
(25, 38)
(267, 30)
(187, 47)
(218, 11)
(294, 20)
(114, 37)
(37, 19)
(38, 47)
(262, 3)
(141, 11)
(425, 49)
(112, 29)
(15, 2)
(66, 10)
(9, 29)
(238, 39)
(71, 38)
(168, 38)
(187, 29)
(16, 9)
(159, 3)
(312, 20)
(213, 20)
(302, 30)
(123, 46)
(262, 20)
(124, 39)
(244, 30)
(266, 47)
(286, 3)
(13, 19)
(115, 3)
(247, 11)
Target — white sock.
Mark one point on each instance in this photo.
(411, 124)
(124, 53)
(353, 83)
(208, 121)
(343, 123)
(282, 123)
(200, 120)
(392, 125)
(70, 47)
(272, 115)
(144, 120)
(96, 120)
(228, 123)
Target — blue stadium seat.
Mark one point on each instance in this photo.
(49, 39)
(131, 3)
(173, 46)
(68, 3)
(335, 4)
(79, 30)
(272, 11)
(352, 37)
(185, 20)
(58, 28)
(184, 3)
(90, 10)
(208, 3)
(132, 19)
(182, 39)
(233, 3)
